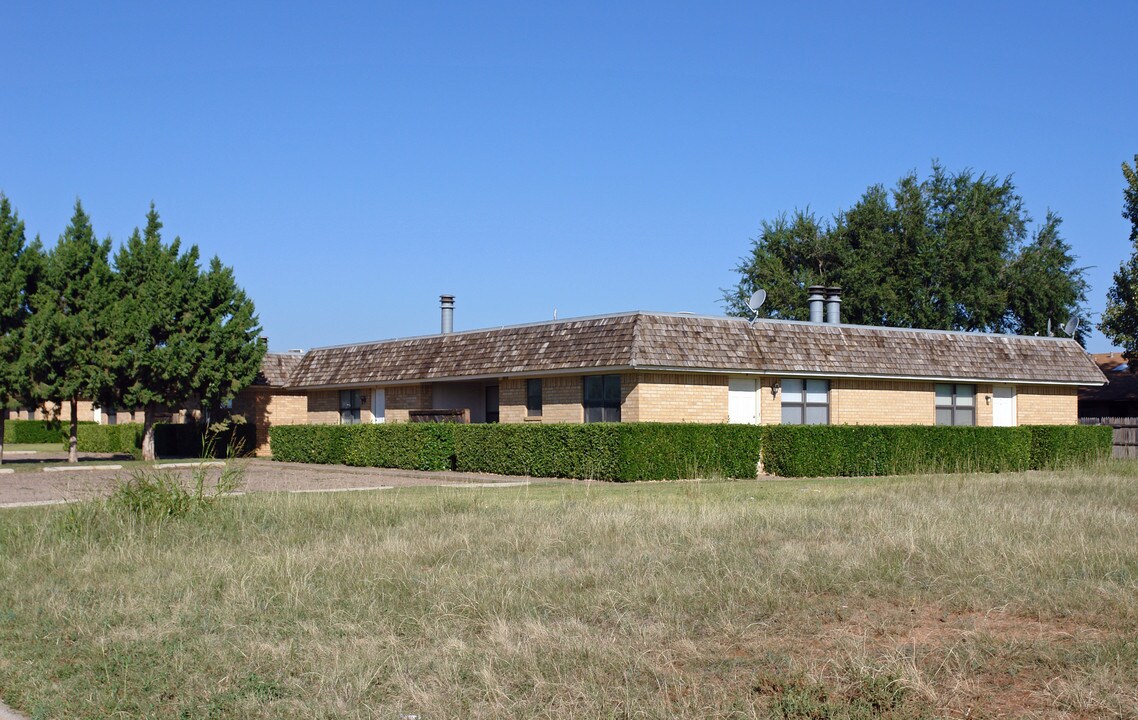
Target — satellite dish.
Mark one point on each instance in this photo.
(1071, 326)
(757, 299)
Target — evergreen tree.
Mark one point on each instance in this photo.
(1120, 319)
(181, 335)
(1044, 285)
(67, 340)
(938, 253)
(19, 269)
(154, 325)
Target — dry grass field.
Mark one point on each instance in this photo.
(950, 596)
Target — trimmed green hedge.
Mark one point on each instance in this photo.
(658, 451)
(1057, 446)
(125, 438)
(601, 451)
(590, 451)
(38, 431)
(858, 450)
(410, 446)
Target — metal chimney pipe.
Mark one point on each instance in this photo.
(834, 305)
(815, 302)
(446, 302)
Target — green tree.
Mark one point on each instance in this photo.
(68, 342)
(1120, 319)
(1043, 282)
(19, 270)
(181, 335)
(937, 253)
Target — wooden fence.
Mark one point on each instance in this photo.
(1125, 434)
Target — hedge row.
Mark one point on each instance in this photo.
(816, 450)
(37, 431)
(170, 440)
(653, 451)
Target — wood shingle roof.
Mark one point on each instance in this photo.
(661, 341)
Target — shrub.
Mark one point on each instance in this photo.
(155, 493)
(410, 446)
(38, 431)
(589, 451)
(824, 450)
(125, 438)
(672, 451)
(309, 443)
(1055, 446)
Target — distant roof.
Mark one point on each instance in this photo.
(1122, 386)
(665, 341)
(277, 368)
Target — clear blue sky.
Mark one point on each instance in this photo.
(354, 161)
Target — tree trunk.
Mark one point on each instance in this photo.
(148, 433)
(73, 435)
(3, 417)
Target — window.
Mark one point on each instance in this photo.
(112, 416)
(602, 398)
(533, 398)
(955, 404)
(805, 402)
(349, 407)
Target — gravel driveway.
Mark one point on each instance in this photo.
(27, 486)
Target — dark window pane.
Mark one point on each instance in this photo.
(533, 398)
(612, 390)
(943, 416)
(594, 413)
(965, 416)
(594, 390)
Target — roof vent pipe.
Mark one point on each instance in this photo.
(834, 305)
(446, 302)
(815, 302)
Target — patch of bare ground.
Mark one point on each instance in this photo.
(990, 664)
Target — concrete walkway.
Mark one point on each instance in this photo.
(7, 713)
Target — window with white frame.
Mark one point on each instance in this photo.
(955, 404)
(805, 401)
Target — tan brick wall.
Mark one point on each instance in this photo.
(674, 397)
(1046, 405)
(266, 408)
(881, 402)
(512, 401)
(403, 398)
(323, 407)
(770, 402)
(983, 405)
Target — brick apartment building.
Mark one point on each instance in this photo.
(662, 367)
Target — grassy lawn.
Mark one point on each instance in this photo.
(954, 596)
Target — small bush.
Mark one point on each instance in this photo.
(38, 431)
(1058, 446)
(156, 493)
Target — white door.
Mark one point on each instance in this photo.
(97, 413)
(743, 401)
(378, 405)
(1003, 406)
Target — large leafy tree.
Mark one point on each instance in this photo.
(1120, 319)
(181, 335)
(19, 270)
(949, 252)
(67, 334)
